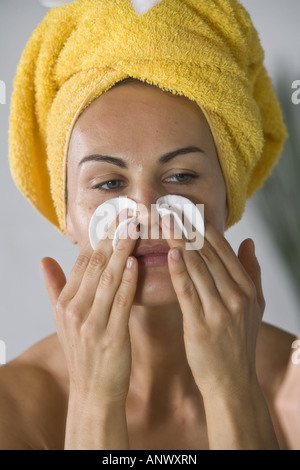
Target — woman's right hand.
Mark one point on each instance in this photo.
(92, 313)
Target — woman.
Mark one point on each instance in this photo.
(148, 354)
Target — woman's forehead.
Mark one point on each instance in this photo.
(138, 112)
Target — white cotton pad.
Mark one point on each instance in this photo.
(185, 213)
(104, 216)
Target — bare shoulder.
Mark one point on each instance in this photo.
(273, 355)
(33, 398)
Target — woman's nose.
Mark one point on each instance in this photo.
(146, 195)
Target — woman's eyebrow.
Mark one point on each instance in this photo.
(122, 164)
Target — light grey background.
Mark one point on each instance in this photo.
(25, 237)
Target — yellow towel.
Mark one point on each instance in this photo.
(206, 50)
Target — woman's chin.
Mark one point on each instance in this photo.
(154, 287)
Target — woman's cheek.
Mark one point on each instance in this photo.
(216, 216)
(79, 216)
(215, 205)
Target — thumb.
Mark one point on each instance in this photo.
(55, 279)
(250, 263)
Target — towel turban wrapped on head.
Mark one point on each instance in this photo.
(205, 50)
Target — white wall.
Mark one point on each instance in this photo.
(25, 237)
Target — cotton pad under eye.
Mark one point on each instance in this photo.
(104, 216)
(184, 211)
(187, 216)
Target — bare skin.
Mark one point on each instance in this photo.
(180, 331)
(287, 403)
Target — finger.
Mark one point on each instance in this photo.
(119, 220)
(228, 256)
(55, 279)
(77, 273)
(247, 257)
(205, 281)
(106, 284)
(230, 292)
(243, 269)
(122, 303)
(196, 268)
(173, 233)
(89, 267)
(185, 289)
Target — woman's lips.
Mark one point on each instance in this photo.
(153, 259)
(152, 255)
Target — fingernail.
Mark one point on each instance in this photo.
(175, 253)
(133, 231)
(129, 263)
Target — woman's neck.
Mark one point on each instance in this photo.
(160, 371)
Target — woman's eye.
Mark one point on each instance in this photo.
(182, 178)
(114, 185)
(109, 185)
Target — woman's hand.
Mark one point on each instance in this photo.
(222, 303)
(92, 313)
(221, 298)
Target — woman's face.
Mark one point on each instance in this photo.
(137, 124)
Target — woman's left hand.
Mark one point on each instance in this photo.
(221, 298)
